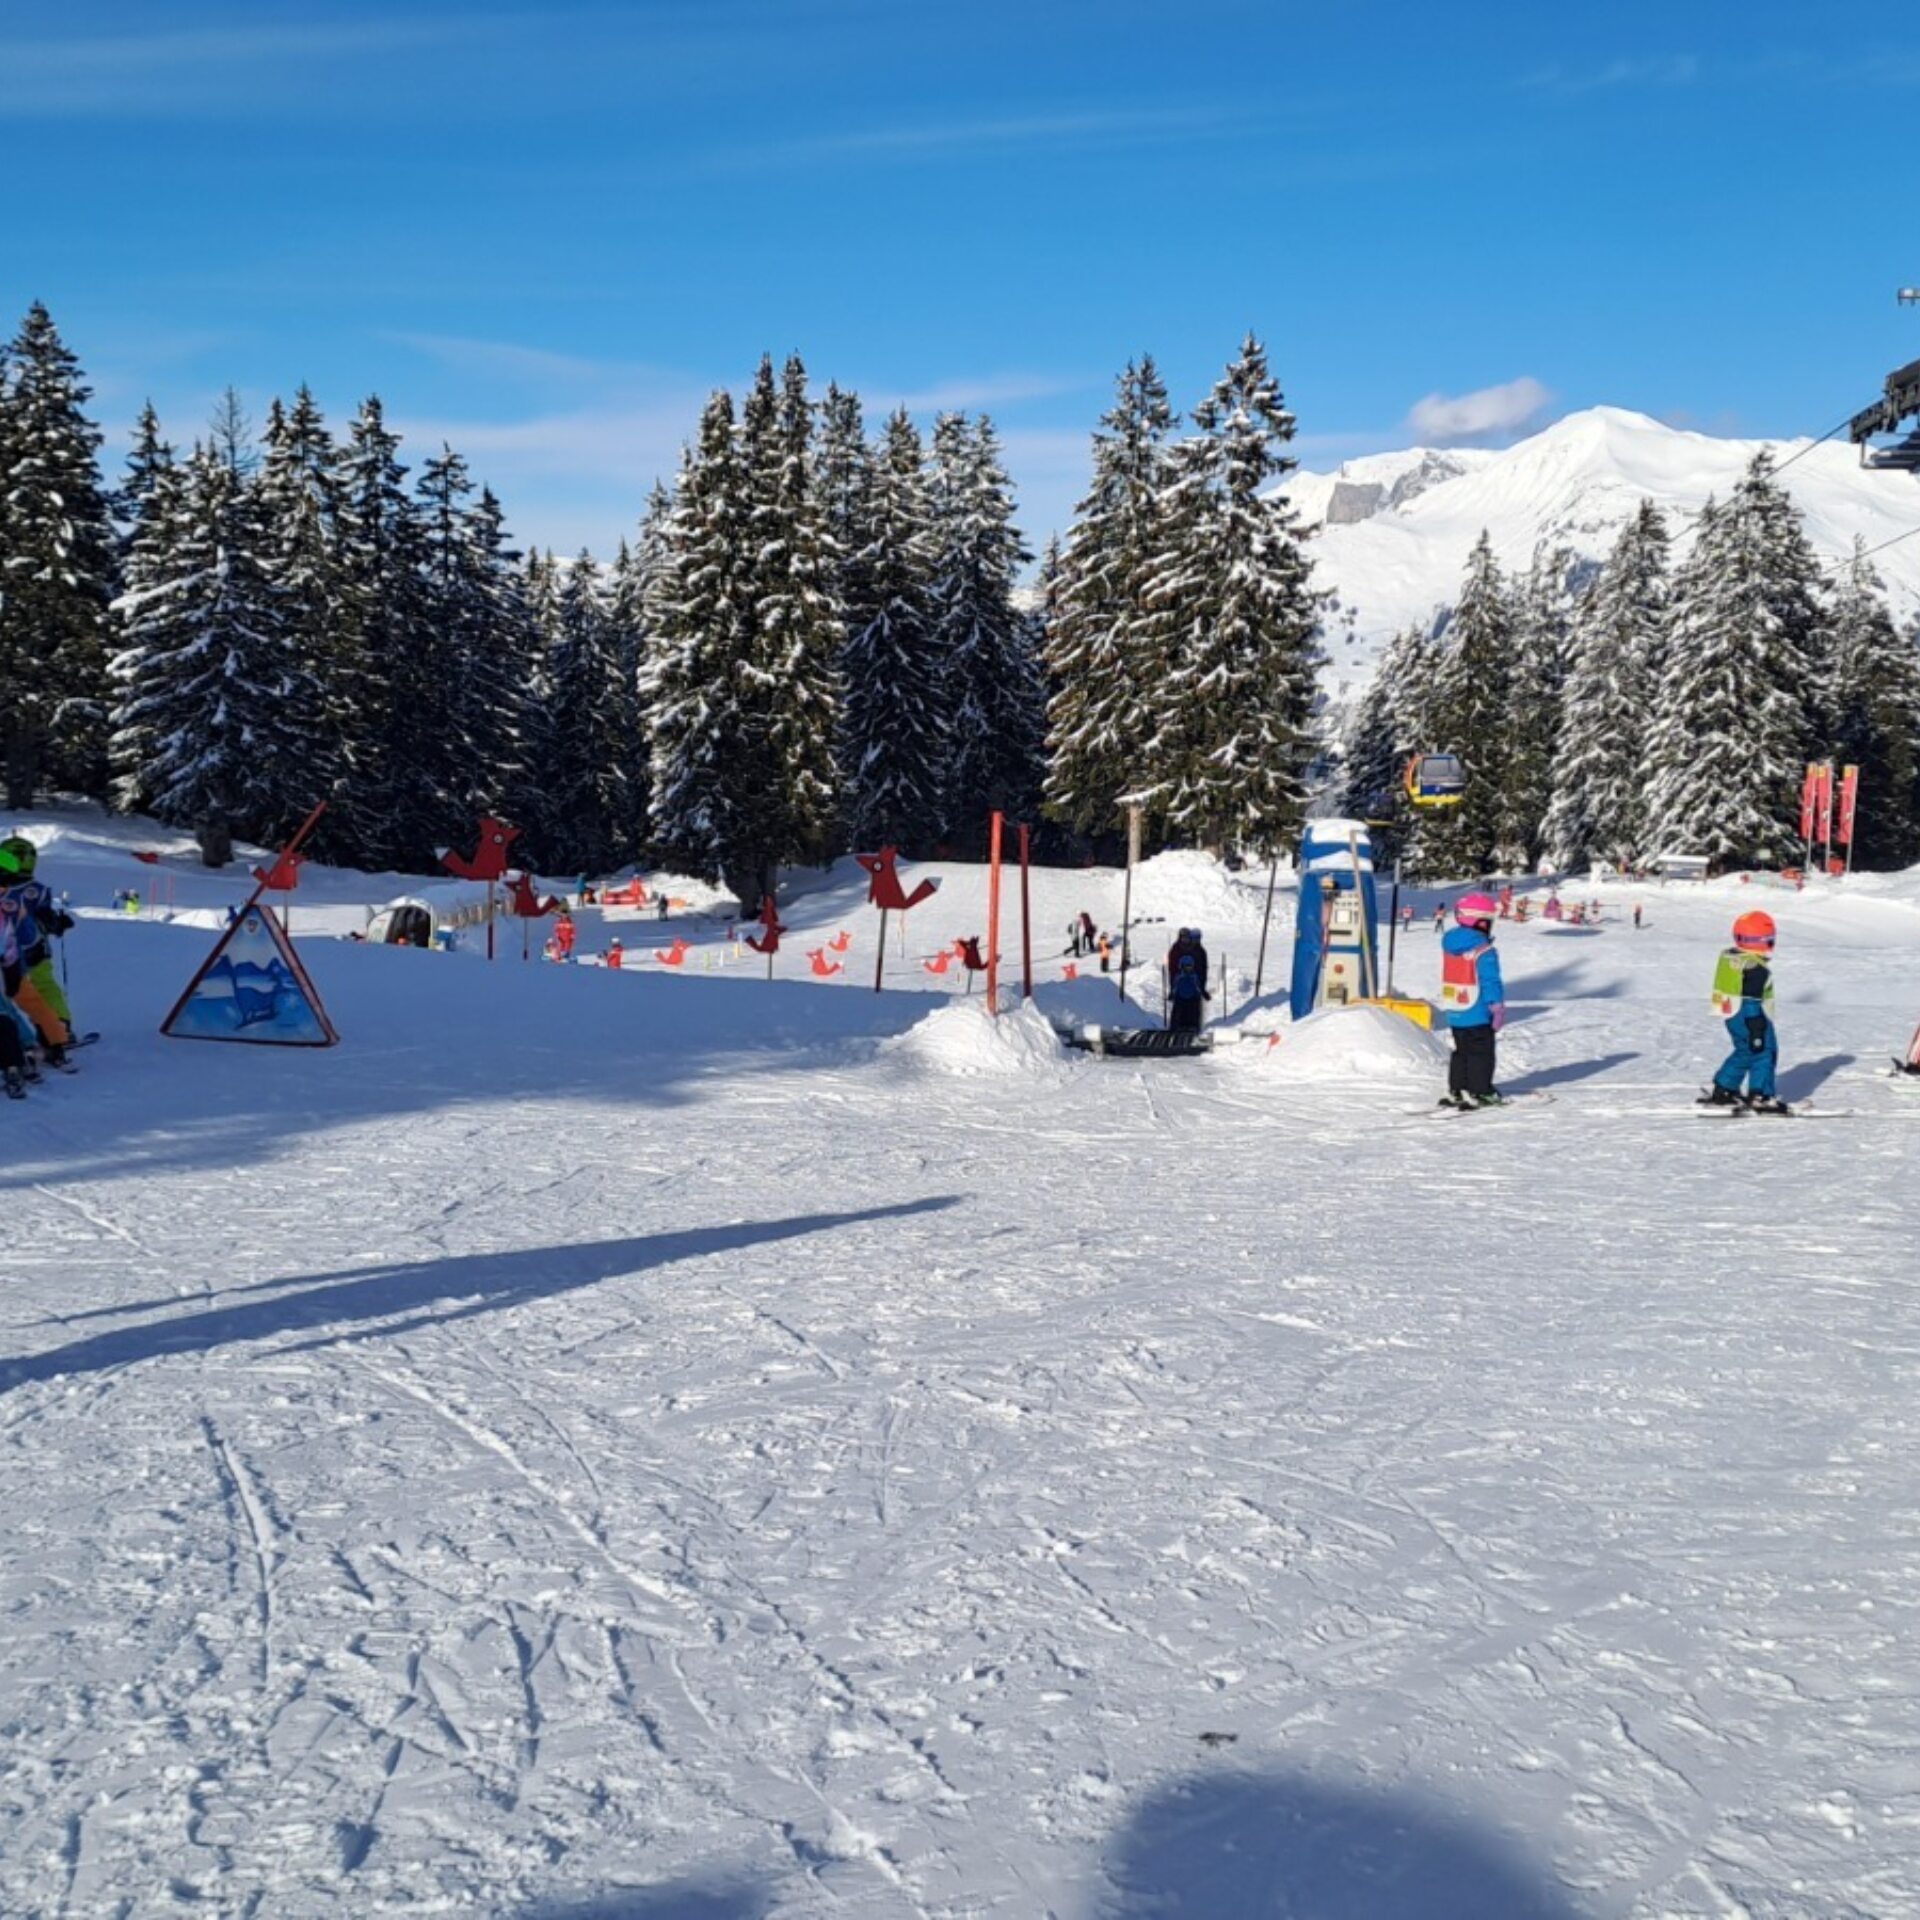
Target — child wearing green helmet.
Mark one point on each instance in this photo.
(33, 917)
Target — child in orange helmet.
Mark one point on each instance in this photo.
(1742, 992)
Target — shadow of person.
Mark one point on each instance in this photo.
(1566, 1073)
(724, 1899)
(1806, 1077)
(428, 1291)
(1287, 1846)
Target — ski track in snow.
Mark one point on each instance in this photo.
(498, 1498)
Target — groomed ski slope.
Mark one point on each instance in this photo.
(626, 1444)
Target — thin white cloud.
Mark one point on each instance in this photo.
(973, 395)
(1441, 419)
(513, 359)
(1655, 70)
(1098, 128)
(193, 67)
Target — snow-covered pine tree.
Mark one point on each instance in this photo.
(57, 572)
(209, 730)
(1793, 587)
(1387, 733)
(895, 739)
(1544, 603)
(296, 506)
(781, 797)
(695, 641)
(401, 803)
(628, 608)
(994, 693)
(472, 602)
(590, 718)
(1472, 690)
(149, 455)
(1875, 695)
(843, 480)
(1103, 697)
(1231, 627)
(528, 806)
(1619, 637)
(1730, 734)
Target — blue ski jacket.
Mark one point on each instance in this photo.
(1493, 991)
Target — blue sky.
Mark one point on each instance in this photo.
(545, 232)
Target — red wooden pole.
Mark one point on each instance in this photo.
(1026, 918)
(993, 913)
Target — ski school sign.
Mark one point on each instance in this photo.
(252, 988)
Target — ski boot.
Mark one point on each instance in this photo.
(16, 1084)
(1719, 1096)
(1490, 1100)
(1453, 1100)
(55, 1055)
(1769, 1103)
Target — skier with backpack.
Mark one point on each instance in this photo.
(34, 916)
(1473, 997)
(15, 1069)
(1742, 993)
(1186, 982)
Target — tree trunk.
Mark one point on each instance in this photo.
(216, 844)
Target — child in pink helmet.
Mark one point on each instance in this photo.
(1474, 999)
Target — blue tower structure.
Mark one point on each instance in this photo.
(1336, 948)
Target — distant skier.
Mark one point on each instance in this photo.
(615, 953)
(1638, 910)
(1474, 999)
(1187, 944)
(1742, 992)
(564, 935)
(1440, 918)
(1106, 951)
(1073, 938)
(1087, 933)
(662, 906)
(1553, 909)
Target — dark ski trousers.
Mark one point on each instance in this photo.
(1471, 1068)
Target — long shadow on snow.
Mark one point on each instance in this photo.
(1806, 1077)
(1565, 1074)
(475, 1283)
(421, 1033)
(1284, 1846)
(1233, 1846)
(700, 1899)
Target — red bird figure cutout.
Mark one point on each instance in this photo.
(883, 882)
(841, 941)
(283, 876)
(489, 860)
(824, 968)
(1069, 972)
(940, 962)
(525, 903)
(672, 956)
(767, 941)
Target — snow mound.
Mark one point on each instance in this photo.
(966, 1039)
(1355, 1043)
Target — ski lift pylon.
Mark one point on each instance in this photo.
(1436, 780)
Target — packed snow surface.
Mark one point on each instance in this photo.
(634, 1444)
(1355, 1046)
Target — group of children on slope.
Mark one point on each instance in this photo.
(36, 1024)
(1473, 998)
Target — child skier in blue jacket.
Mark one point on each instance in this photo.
(1474, 999)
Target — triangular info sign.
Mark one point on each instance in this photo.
(252, 988)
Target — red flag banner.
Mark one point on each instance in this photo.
(1849, 800)
(1824, 805)
(1807, 787)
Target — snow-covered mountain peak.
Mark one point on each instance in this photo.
(1394, 529)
